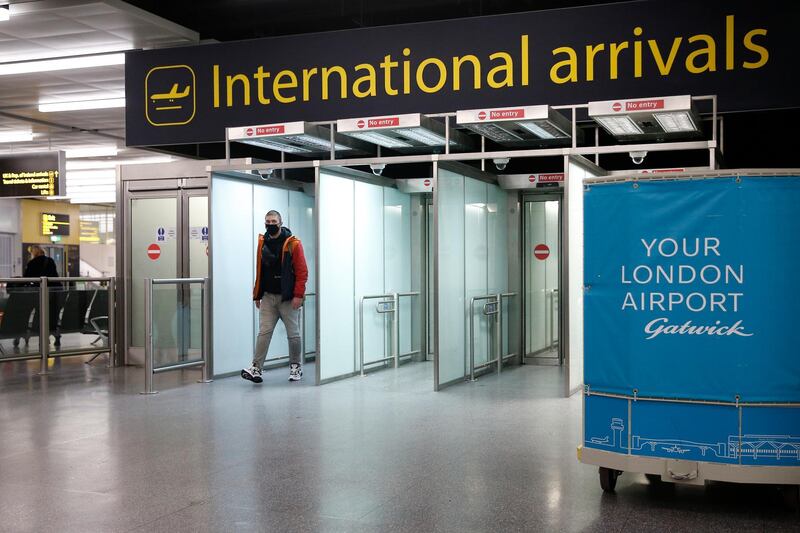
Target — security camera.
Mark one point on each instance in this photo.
(264, 174)
(377, 168)
(501, 162)
(637, 157)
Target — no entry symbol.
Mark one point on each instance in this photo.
(541, 252)
(154, 251)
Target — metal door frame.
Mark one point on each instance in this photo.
(427, 277)
(544, 196)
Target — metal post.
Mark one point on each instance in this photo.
(396, 329)
(498, 326)
(148, 337)
(447, 134)
(361, 335)
(333, 143)
(597, 143)
(44, 324)
(227, 147)
(112, 322)
(483, 149)
(472, 339)
(303, 333)
(574, 128)
(207, 365)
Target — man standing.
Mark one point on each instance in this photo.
(281, 275)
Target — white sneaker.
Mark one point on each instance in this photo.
(295, 372)
(252, 374)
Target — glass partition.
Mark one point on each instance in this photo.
(153, 253)
(19, 318)
(365, 252)
(79, 316)
(472, 248)
(542, 259)
(235, 317)
(172, 341)
(337, 316)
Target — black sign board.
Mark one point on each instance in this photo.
(742, 51)
(55, 224)
(32, 175)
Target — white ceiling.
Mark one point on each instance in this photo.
(63, 28)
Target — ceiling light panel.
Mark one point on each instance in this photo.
(66, 63)
(647, 118)
(517, 126)
(94, 151)
(82, 105)
(298, 138)
(410, 132)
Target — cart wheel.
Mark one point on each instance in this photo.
(654, 479)
(608, 478)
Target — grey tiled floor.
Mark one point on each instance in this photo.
(81, 451)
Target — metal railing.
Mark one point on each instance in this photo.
(304, 353)
(492, 307)
(383, 308)
(46, 291)
(150, 370)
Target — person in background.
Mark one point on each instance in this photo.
(281, 276)
(42, 266)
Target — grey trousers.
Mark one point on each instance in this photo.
(272, 308)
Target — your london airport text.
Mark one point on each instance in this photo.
(630, 57)
(708, 275)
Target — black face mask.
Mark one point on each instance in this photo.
(272, 229)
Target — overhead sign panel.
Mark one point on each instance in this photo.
(647, 117)
(733, 49)
(32, 175)
(404, 133)
(517, 126)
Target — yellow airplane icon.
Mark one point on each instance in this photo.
(171, 96)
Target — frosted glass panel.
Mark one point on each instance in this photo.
(575, 225)
(397, 262)
(476, 235)
(154, 248)
(336, 277)
(369, 270)
(301, 214)
(451, 320)
(497, 260)
(233, 243)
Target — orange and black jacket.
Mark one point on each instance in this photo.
(294, 271)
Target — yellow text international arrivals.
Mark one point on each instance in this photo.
(391, 76)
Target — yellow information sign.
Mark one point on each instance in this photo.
(55, 224)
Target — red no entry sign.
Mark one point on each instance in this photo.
(541, 252)
(154, 251)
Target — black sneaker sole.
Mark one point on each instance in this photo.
(254, 379)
